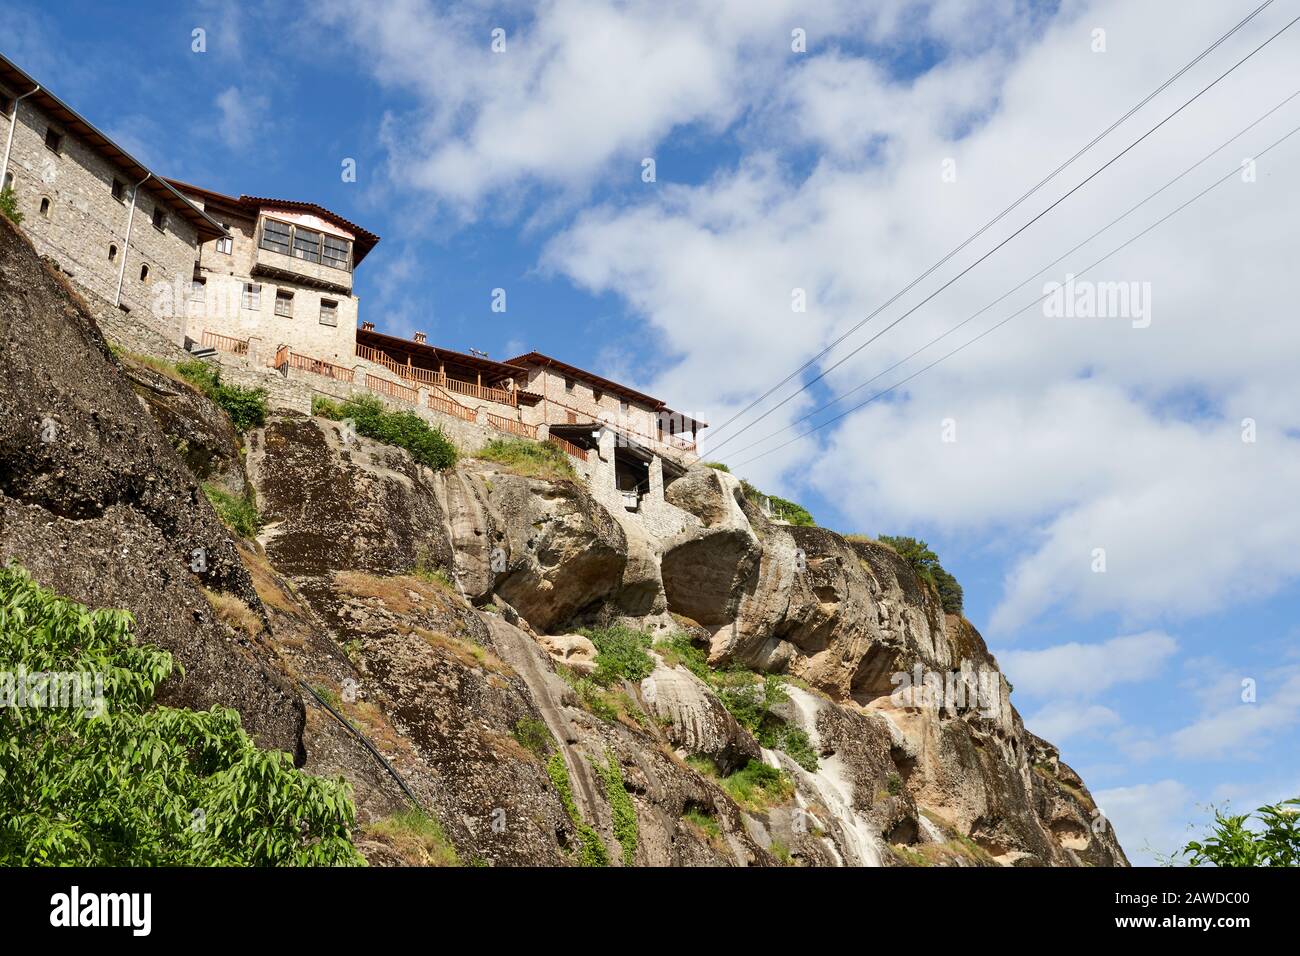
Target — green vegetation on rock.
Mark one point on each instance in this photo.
(529, 458)
(245, 406)
(620, 654)
(239, 514)
(591, 851)
(620, 805)
(9, 206)
(926, 564)
(98, 775)
(427, 445)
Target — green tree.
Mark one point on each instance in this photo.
(9, 206)
(926, 564)
(1274, 841)
(118, 781)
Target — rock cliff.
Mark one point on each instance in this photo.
(429, 636)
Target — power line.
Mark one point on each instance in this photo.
(1233, 172)
(820, 375)
(996, 219)
(857, 388)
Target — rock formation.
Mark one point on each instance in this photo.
(418, 633)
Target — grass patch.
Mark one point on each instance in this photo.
(757, 786)
(620, 805)
(533, 736)
(469, 653)
(703, 821)
(417, 837)
(529, 458)
(245, 406)
(789, 511)
(238, 514)
(718, 465)
(679, 648)
(428, 445)
(591, 851)
(231, 610)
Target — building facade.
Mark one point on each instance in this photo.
(104, 218)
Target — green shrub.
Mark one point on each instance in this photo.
(9, 206)
(239, 514)
(718, 465)
(620, 654)
(530, 458)
(1273, 841)
(533, 735)
(427, 445)
(129, 783)
(620, 805)
(786, 510)
(926, 564)
(680, 648)
(245, 406)
(894, 784)
(757, 786)
(591, 850)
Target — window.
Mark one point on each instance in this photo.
(597, 394)
(284, 303)
(198, 290)
(568, 384)
(623, 406)
(9, 181)
(53, 140)
(6, 103)
(144, 272)
(119, 190)
(306, 245)
(112, 252)
(329, 312)
(252, 298)
(275, 236)
(336, 252)
(226, 244)
(45, 206)
(159, 218)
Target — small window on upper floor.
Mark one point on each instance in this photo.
(159, 218)
(252, 297)
(568, 384)
(284, 303)
(623, 406)
(144, 273)
(53, 139)
(329, 312)
(119, 190)
(597, 395)
(9, 181)
(45, 206)
(336, 252)
(226, 244)
(112, 252)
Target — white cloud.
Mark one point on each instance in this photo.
(1081, 671)
(1060, 721)
(240, 115)
(1240, 729)
(1150, 819)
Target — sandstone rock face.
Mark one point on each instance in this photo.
(572, 650)
(698, 723)
(95, 502)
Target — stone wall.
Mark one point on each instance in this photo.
(84, 222)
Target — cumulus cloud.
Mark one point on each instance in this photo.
(1077, 671)
(240, 114)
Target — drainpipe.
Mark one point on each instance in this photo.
(13, 122)
(126, 242)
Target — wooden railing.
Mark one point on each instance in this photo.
(394, 391)
(225, 343)
(669, 440)
(305, 363)
(568, 447)
(439, 404)
(512, 427)
(428, 376)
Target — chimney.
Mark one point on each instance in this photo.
(419, 338)
(367, 326)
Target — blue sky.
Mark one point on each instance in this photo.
(821, 170)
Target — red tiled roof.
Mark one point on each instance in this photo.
(365, 239)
